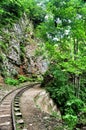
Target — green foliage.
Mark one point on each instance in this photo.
(82, 116)
(22, 49)
(10, 11)
(64, 32)
(2, 57)
(22, 78)
(73, 106)
(57, 85)
(39, 79)
(3, 46)
(64, 37)
(71, 120)
(4, 73)
(11, 81)
(55, 114)
(62, 92)
(35, 12)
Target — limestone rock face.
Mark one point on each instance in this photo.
(36, 65)
(14, 51)
(45, 103)
(19, 54)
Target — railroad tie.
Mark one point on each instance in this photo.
(5, 124)
(18, 114)
(20, 121)
(17, 109)
(6, 115)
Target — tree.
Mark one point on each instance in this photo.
(64, 34)
(12, 10)
(65, 26)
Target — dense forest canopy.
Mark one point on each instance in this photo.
(12, 10)
(61, 26)
(64, 33)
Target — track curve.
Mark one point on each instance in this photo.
(9, 107)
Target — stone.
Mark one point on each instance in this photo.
(46, 104)
(16, 102)
(1, 116)
(18, 114)
(5, 124)
(16, 109)
(16, 105)
(20, 121)
(84, 128)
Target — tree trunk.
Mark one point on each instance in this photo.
(76, 76)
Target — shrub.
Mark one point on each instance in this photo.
(75, 105)
(55, 81)
(1, 58)
(82, 116)
(22, 78)
(70, 120)
(35, 12)
(3, 46)
(10, 11)
(62, 92)
(11, 81)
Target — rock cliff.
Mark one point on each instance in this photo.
(17, 50)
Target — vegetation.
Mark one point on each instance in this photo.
(61, 24)
(12, 10)
(11, 81)
(22, 78)
(64, 34)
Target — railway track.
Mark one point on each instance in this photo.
(10, 114)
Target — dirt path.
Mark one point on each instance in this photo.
(34, 118)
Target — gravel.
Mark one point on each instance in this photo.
(34, 117)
